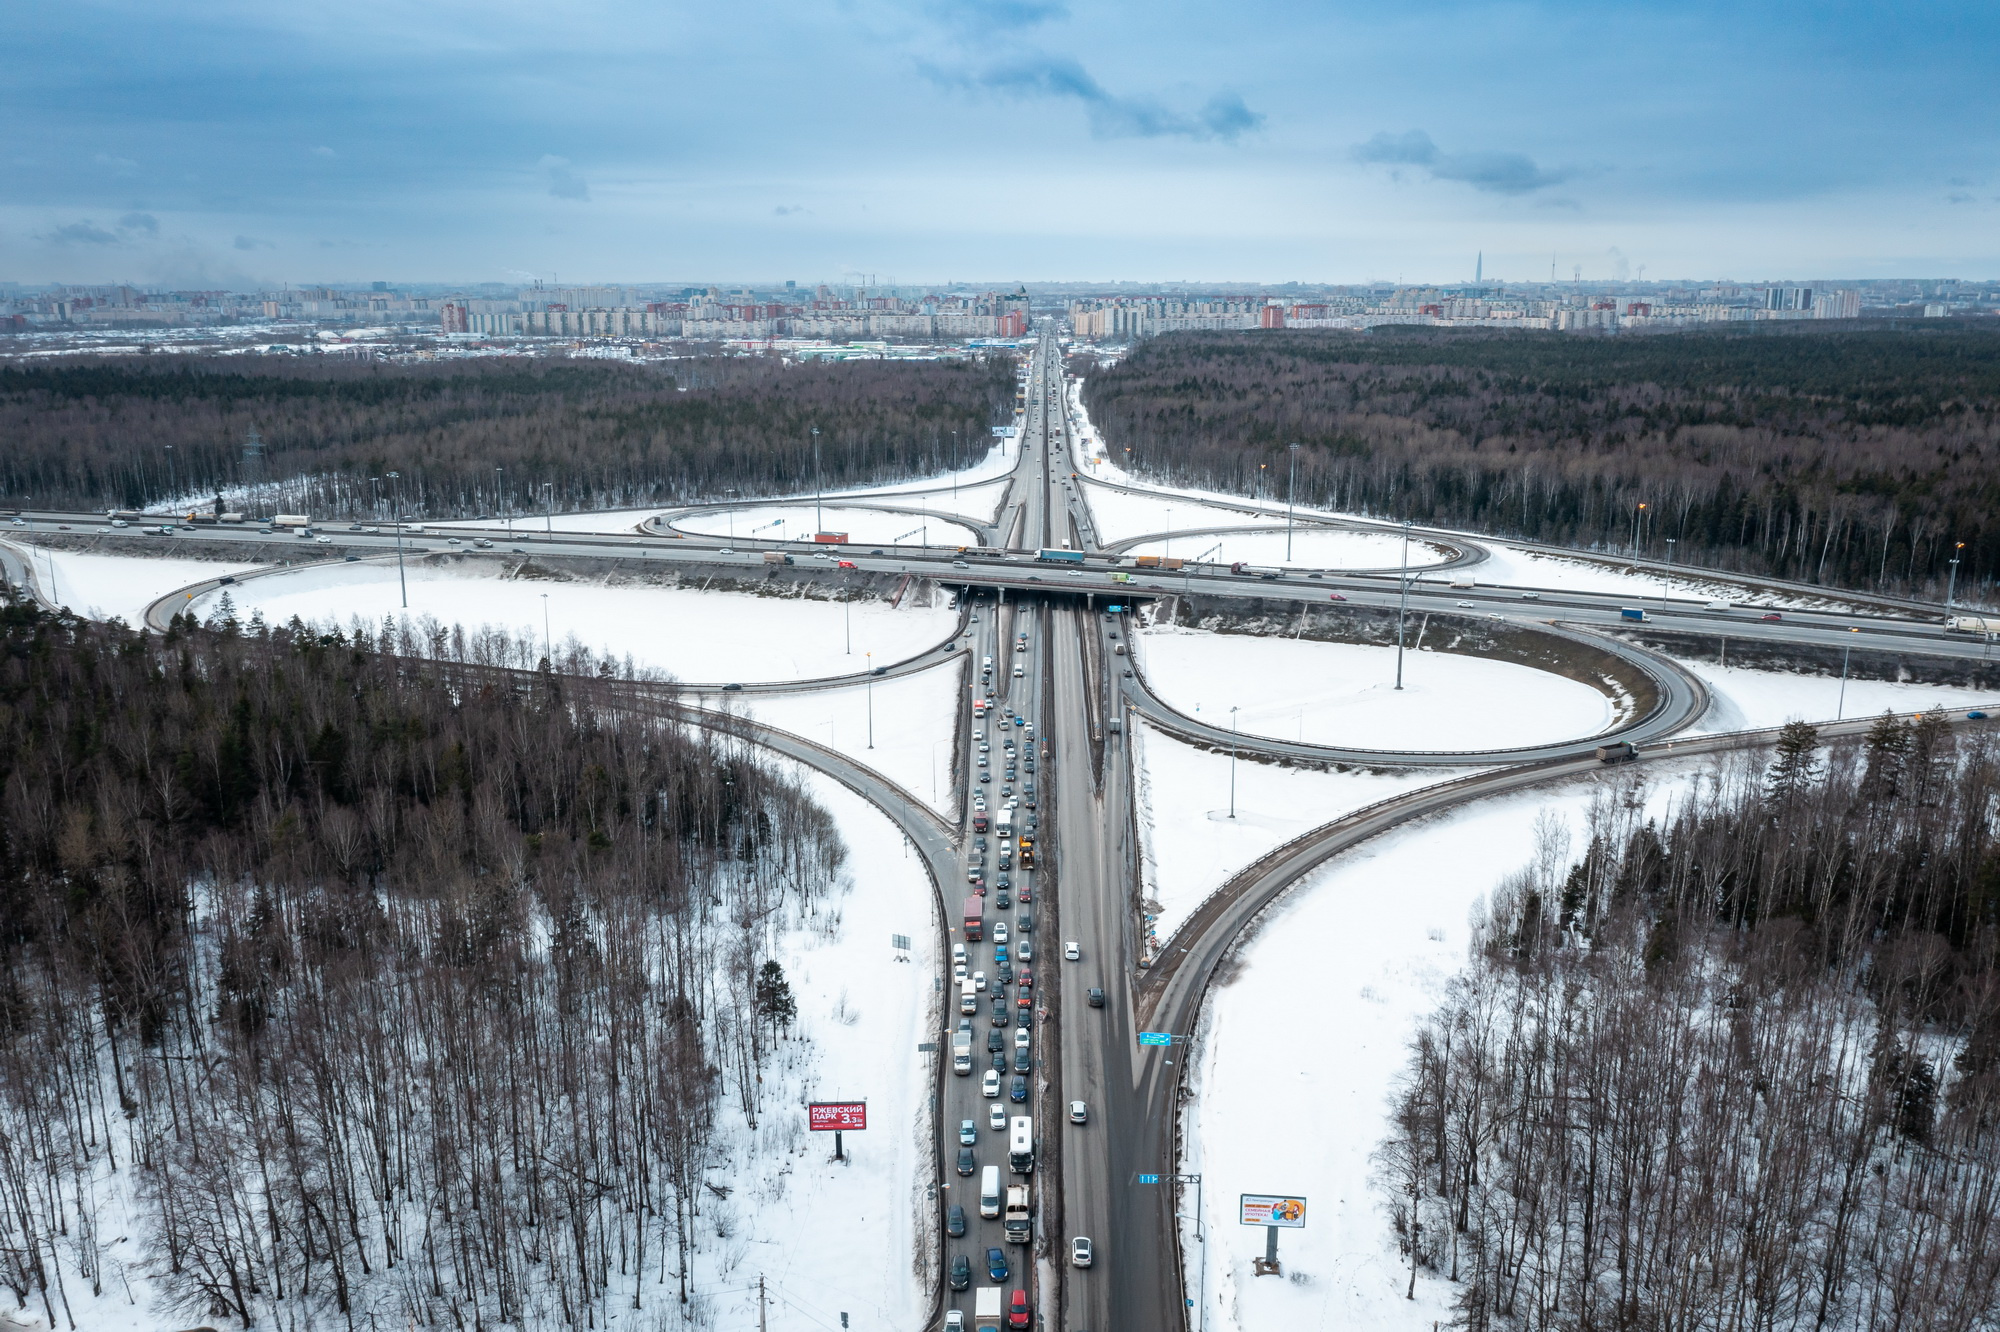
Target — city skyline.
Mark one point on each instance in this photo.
(915, 143)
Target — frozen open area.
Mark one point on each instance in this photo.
(1312, 548)
(1510, 566)
(116, 587)
(1120, 516)
(864, 527)
(1749, 699)
(1189, 843)
(1345, 694)
(1301, 1044)
(912, 720)
(695, 635)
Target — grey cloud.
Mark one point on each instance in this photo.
(145, 222)
(564, 183)
(85, 232)
(787, 210)
(988, 15)
(252, 243)
(1958, 198)
(1111, 116)
(324, 151)
(1496, 173)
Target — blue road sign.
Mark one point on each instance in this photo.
(1156, 1038)
(1149, 1179)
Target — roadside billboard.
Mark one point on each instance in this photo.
(832, 1116)
(1273, 1209)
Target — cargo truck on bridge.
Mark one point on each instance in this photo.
(1973, 624)
(1060, 556)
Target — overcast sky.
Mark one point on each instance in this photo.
(234, 143)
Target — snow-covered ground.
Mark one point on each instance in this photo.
(827, 1238)
(1749, 699)
(1190, 844)
(116, 587)
(831, 1238)
(1299, 1049)
(864, 527)
(695, 635)
(1312, 548)
(1345, 694)
(1120, 516)
(914, 720)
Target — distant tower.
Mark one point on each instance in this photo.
(252, 468)
(1479, 269)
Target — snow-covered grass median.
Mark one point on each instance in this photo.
(864, 527)
(1345, 694)
(695, 635)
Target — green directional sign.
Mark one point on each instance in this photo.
(1156, 1038)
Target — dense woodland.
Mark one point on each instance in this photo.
(480, 436)
(360, 989)
(1850, 457)
(1738, 1070)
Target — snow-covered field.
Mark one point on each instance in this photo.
(1749, 699)
(830, 1238)
(1312, 548)
(914, 721)
(1120, 516)
(1190, 844)
(695, 635)
(864, 527)
(1299, 1049)
(116, 587)
(1344, 693)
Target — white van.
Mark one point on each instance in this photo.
(968, 998)
(989, 1192)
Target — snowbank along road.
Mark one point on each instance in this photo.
(1046, 985)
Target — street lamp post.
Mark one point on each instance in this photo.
(549, 509)
(548, 639)
(1670, 565)
(1951, 588)
(396, 498)
(1291, 498)
(1840, 708)
(871, 700)
(819, 487)
(1232, 762)
(1402, 603)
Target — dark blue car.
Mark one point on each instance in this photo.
(996, 1264)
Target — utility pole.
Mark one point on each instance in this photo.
(396, 492)
(1291, 498)
(549, 512)
(762, 1325)
(1403, 603)
(1232, 762)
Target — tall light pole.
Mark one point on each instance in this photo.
(548, 638)
(871, 700)
(396, 493)
(1670, 565)
(1291, 498)
(171, 487)
(1637, 514)
(1232, 762)
(549, 509)
(1951, 588)
(1840, 709)
(1402, 603)
(819, 487)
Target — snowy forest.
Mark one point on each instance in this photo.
(1859, 459)
(357, 988)
(1736, 1069)
(503, 435)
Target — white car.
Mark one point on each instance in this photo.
(1024, 951)
(989, 1086)
(1000, 932)
(1021, 1038)
(1080, 1251)
(1017, 673)
(1079, 1113)
(1465, 605)
(958, 954)
(1072, 951)
(954, 1320)
(978, 980)
(996, 1117)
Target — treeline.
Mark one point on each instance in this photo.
(372, 991)
(1858, 459)
(1739, 1071)
(500, 435)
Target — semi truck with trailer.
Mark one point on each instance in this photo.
(1156, 562)
(1060, 556)
(1973, 624)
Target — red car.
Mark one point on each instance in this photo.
(1335, 596)
(846, 564)
(1773, 616)
(1017, 1309)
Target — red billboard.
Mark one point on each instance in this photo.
(827, 1116)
